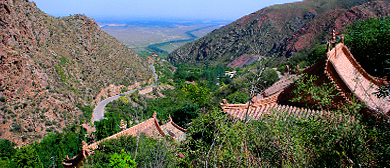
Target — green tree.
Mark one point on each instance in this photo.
(27, 157)
(237, 98)
(198, 94)
(316, 53)
(7, 148)
(51, 149)
(87, 111)
(184, 114)
(149, 152)
(122, 160)
(369, 43)
(307, 91)
(214, 141)
(269, 77)
(106, 128)
(5, 162)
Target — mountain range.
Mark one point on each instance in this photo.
(278, 31)
(53, 67)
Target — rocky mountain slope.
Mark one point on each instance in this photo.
(279, 30)
(48, 65)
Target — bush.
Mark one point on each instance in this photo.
(284, 140)
(27, 157)
(3, 99)
(122, 160)
(7, 148)
(317, 53)
(238, 98)
(269, 77)
(149, 152)
(370, 45)
(185, 114)
(314, 142)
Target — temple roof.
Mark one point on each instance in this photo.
(339, 68)
(171, 129)
(150, 128)
(255, 113)
(354, 79)
(279, 85)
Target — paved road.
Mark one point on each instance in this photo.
(98, 112)
(154, 73)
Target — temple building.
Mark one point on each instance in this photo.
(339, 68)
(150, 128)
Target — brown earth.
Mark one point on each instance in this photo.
(242, 60)
(49, 64)
(279, 30)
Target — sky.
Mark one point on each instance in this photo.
(190, 9)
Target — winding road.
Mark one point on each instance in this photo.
(98, 112)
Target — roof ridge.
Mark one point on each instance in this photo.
(332, 77)
(177, 126)
(92, 146)
(279, 85)
(361, 70)
(351, 78)
(271, 109)
(158, 125)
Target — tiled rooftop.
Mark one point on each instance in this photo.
(256, 113)
(358, 81)
(172, 130)
(341, 68)
(150, 128)
(279, 86)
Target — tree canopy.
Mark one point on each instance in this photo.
(369, 43)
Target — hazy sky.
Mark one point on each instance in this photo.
(194, 9)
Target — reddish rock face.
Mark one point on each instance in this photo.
(280, 30)
(337, 20)
(49, 64)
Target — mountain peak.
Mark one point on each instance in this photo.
(49, 65)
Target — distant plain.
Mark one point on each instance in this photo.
(138, 35)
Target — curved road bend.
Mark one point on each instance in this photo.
(98, 112)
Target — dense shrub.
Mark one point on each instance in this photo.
(3, 99)
(238, 98)
(7, 148)
(147, 152)
(370, 45)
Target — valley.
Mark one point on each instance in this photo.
(301, 84)
(164, 37)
